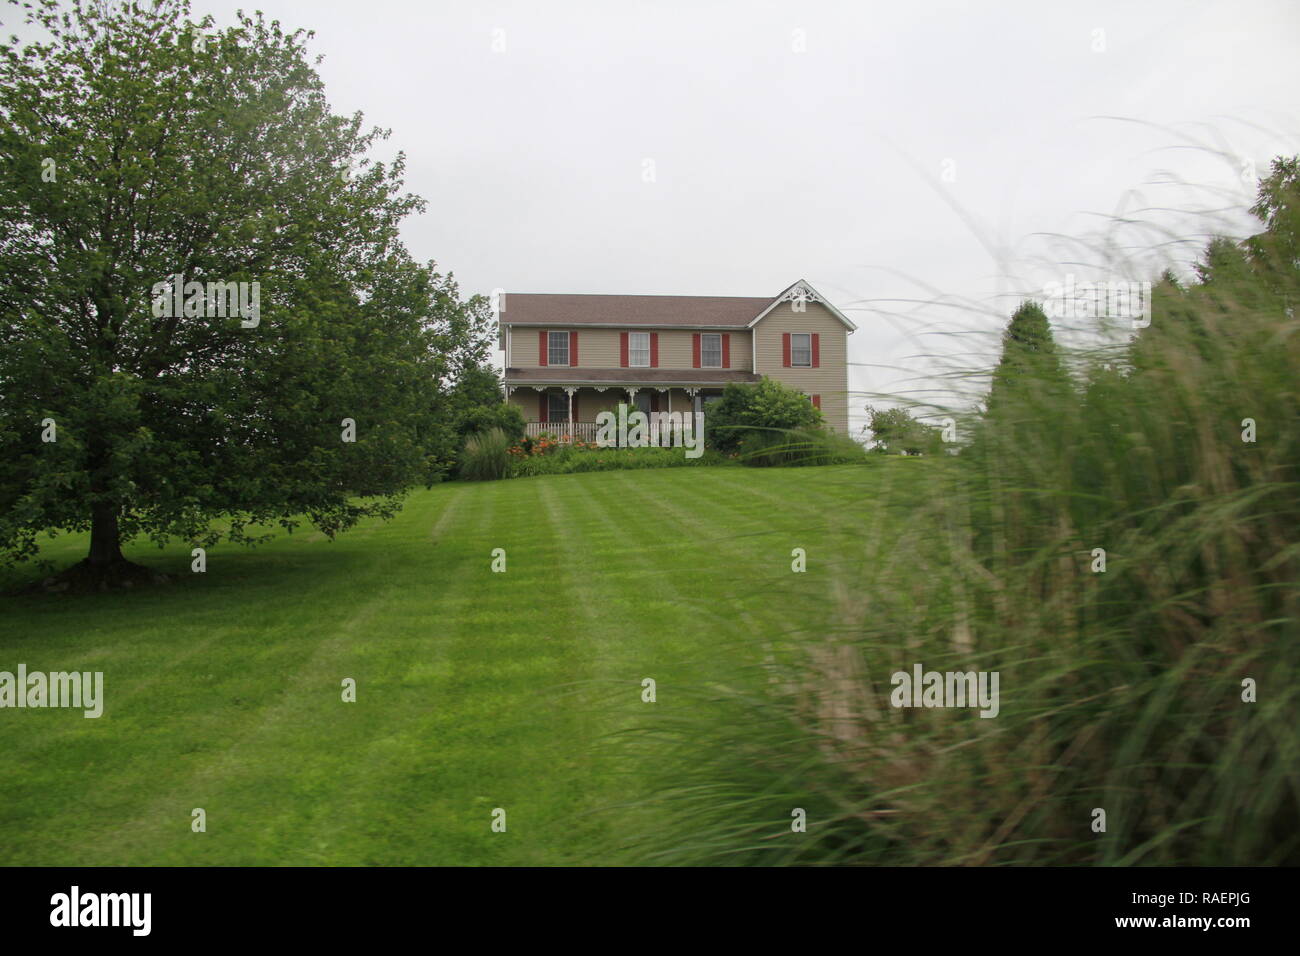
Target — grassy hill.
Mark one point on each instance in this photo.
(475, 690)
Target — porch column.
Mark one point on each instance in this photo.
(655, 435)
(631, 397)
(570, 390)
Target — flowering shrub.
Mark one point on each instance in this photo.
(546, 443)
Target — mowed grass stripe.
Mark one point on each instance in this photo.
(475, 690)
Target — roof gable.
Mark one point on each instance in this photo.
(803, 292)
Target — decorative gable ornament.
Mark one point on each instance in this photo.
(799, 295)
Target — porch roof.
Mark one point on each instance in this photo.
(627, 376)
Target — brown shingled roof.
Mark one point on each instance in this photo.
(624, 311)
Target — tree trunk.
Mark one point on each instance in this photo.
(105, 540)
(105, 566)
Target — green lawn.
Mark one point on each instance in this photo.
(476, 690)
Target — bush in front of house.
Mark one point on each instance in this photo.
(746, 412)
(481, 418)
(486, 456)
(475, 404)
(769, 423)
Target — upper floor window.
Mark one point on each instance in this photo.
(557, 348)
(711, 350)
(638, 349)
(801, 349)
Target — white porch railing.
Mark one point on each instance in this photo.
(571, 431)
(586, 431)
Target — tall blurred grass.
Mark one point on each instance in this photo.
(1120, 690)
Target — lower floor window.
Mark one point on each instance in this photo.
(558, 408)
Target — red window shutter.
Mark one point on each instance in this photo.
(695, 350)
(785, 349)
(541, 350)
(726, 350)
(622, 349)
(573, 350)
(543, 405)
(654, 349)
(654, 401)
(816, 351)
(817, 401)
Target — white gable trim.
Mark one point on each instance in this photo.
(802, 291)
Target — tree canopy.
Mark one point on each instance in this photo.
(206, 311)
(895, 431)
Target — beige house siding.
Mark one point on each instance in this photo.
(600, 348)
(523, 348)
(830, 380)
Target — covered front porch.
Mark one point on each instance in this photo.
(570, 411)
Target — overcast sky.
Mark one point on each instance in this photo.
(897, 155)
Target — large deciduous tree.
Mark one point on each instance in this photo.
(137, 145)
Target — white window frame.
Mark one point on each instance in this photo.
(704, 337)
(794, 336)
(551, 349)
(633, 350)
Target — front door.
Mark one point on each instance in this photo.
(558, 407)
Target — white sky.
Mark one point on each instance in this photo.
(829, 164)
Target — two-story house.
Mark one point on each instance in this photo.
(570, 357)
